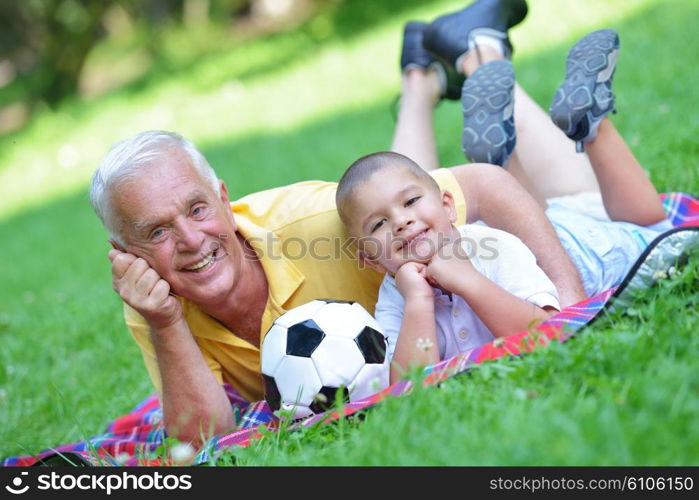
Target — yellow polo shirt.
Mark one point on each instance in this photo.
(304, 251)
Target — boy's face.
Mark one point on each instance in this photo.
(398, 217)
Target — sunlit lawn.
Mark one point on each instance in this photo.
(303, 105)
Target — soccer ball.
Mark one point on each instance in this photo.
(316, 349)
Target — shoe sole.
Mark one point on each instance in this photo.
(589, 61)
(487, 102)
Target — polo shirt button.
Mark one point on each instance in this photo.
(463, 334)
(455, 311)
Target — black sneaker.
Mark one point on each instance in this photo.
(487, 100)
(414, 55)
(451, 35)
(585, 96)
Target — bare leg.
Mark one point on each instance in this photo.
(514, 166)
(627, 192)
(546, 156)
(414, 133)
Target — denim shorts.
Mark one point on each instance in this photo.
(602, 250)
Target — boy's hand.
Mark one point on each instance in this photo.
(143, 289)
(411, 280)
(450, 267)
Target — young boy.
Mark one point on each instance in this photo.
(438, 290)
(444, 285)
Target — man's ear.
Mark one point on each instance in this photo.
(364, 260)
(116, 245)
(226, 203)
(449, 206)
(223, 190)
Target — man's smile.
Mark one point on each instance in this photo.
(202, 264)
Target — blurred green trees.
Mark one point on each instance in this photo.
(44, 44)
(47, 43)
(51, 50)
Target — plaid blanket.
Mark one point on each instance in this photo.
(137, 438)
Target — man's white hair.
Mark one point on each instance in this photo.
(130, 157)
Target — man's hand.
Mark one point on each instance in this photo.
(411, 280)
(450, 267)
(143, 289)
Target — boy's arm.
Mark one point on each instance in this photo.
(494, 196)
(417, 340)
(503, 312)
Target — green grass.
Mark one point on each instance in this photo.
(303, 105)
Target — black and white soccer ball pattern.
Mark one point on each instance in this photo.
(317, 348)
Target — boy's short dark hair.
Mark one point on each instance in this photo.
(361, 171)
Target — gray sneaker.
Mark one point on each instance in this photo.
(585, 96)
(487, 100)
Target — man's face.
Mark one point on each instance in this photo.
(171, 217)
(400, 218)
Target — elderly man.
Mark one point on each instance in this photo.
(202, 278)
